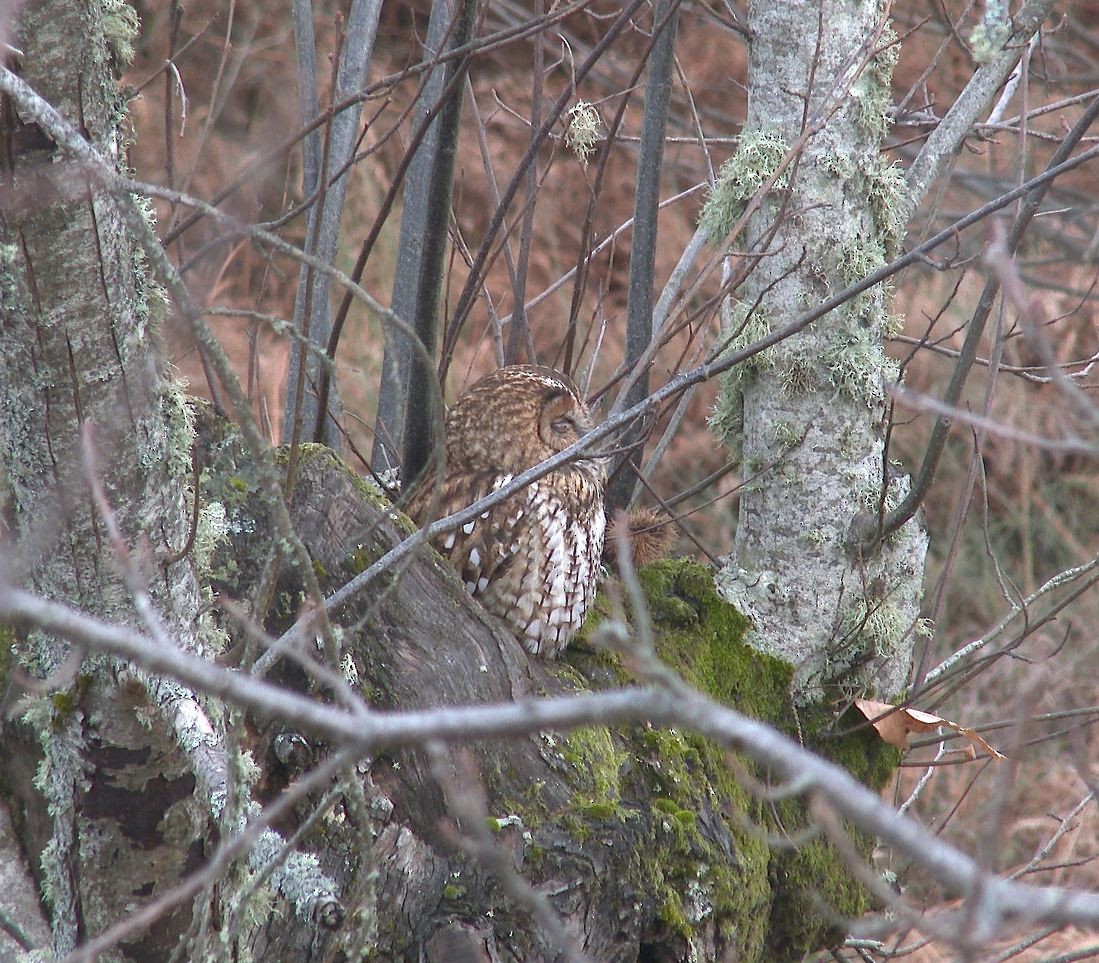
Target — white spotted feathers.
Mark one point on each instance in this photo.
(533, 560)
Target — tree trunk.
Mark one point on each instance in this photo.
(809, 413)
(638, 836)
(78, 350)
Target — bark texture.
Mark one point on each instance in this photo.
(809, 413)
(97, 792)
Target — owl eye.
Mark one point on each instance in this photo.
(562, 424)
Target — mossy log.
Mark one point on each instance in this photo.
(644, 841)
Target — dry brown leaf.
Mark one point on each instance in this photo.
(894, 724)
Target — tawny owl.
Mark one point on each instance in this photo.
(533, 560)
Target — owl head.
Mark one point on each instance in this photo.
(514, 418)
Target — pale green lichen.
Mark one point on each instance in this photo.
(865, 479)
(120, 29)
(10, 264)
(840, 165)
(892, 325)
(873, 629)
(757, 157)
(816, 537)
(743, 327)
(859, 368)
(797, 374)
(872, 91)
(170, 434)
(584, 130)
(746, 326)
(211, 532)
(783, 435)
(726, 420)
(246, 771)
(886, 191)
(151, 304)
(991, 33)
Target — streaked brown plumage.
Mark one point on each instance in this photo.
(533, 560)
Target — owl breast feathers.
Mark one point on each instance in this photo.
(533, 559)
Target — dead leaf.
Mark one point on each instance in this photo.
(894, 724)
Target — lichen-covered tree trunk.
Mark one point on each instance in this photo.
(100, 797)
(810, 412)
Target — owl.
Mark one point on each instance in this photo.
(533, 559)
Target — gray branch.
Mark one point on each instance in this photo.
(953, 129)
(325, 216)
(362, 729)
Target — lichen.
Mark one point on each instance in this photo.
(726, 420)
(758, 154)
(120, 29)
(583, 131)
(745, 325)
(859, 368)
(886, 190)
(797, 373)
(991, 33)
(783, 435)
(872, 629)
(865, 478)
(211, 532)
(872, 92)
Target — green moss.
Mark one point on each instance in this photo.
(359, 561)
(671, 913)
(598, 811)
(814, 891)
(592, 753)
(707, 648)
(773, 904)
(63, 703)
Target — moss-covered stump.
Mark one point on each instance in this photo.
(771, 897)
(642, 838)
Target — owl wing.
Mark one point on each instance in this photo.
(485, 547)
